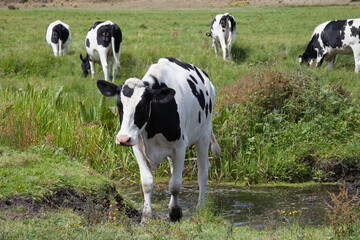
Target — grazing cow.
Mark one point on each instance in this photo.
(58, 36)
(103, 43)
(223, 31)
(331, 38)
(160, 116)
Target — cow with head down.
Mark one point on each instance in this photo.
(223, 32)
(103, 44)
(160, 116)
(58, 36)
(332, 38)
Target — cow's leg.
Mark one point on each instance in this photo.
(115, 70)
(331, 60)
(146, 182)
(356, 51)
(223, 46)
(92, 68)
(177, 163)
(202, 148)
(60, 47)
(105, 65)
(55, 48)
(66, 49)
(230, 42)
(214, 45)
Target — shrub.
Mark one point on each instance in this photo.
(275, 125)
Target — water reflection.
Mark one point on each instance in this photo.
(254, 206)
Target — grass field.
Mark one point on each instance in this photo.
(302, 129)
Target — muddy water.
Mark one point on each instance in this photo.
(254, 206)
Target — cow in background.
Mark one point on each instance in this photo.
(58, 36)
(160, 116)
(332, 38)
(103, 44)
(223, 31)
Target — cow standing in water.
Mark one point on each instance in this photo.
(58, 36)
(332, 38)
(103, 44)
(223, 32)
(160, 116)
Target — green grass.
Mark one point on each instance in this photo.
(40, 171)
(67, 225)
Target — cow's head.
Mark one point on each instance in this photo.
(311, 52)
(134, 100)
(85, 64)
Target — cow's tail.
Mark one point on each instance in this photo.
(215, 148)
(117, 62)
(208, 34)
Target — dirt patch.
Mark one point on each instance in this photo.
(95, 208)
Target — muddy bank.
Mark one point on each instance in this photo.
(95, 208)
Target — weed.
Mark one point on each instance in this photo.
(344, 212)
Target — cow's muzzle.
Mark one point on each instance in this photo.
(124, 140)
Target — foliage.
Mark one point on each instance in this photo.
(344, 213)
(275, 125)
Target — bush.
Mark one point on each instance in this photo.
(275, 125)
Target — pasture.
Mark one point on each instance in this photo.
(275, 121)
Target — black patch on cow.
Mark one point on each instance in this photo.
(116, 33)
(350, 23)
(206, 110)
(59, 31)
(210, 106)
(205, 73)
(128, 91)
(310, 52)
(207, 93)
(103, 35)
(194, 79)
(199, 74)
(142, 109)
(184, 65)
(199, 95)
(164, 117)
(233, 23)
(199, 118)
(355, 32)
(334, 34)
(183, 137)
(87, 43)
(95, 25)
(223, 30)
(212, 24)
(119, 104)
(223, 21)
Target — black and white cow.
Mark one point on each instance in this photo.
(332, 38)
(58, 36)
(160, 116)
(223, 31)
(103, 44)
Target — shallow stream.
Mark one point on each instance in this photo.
(254, 206)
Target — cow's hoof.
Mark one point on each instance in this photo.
(175, 214)
(145, 218)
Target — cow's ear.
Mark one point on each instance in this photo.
(107, 89)
(81, 57)
(163, 95)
